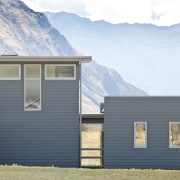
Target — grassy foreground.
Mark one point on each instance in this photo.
(53, 173)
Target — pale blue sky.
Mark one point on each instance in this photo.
(158, 12)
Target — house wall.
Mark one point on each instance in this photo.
(46, 137)
(119, 117)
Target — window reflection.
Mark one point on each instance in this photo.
(175, 134)
(8, 71)
(60, 71)
(140, 134)
(32, 87)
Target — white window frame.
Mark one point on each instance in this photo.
(25, 87)
(15, 78)
(140, 146)
(60, 78)
(172, 146)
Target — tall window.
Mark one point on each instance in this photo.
(60, 72)
(174, 134)
(32, 87)
(140, 134)
(10, 72)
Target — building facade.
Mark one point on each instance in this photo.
(40, 110)
(142, 132)
(41, 121)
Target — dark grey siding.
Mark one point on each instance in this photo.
(119, 117)
(48, 137)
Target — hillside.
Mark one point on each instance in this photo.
(25, 32)
(145, 55)
(103, 81)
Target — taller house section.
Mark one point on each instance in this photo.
(39, 110)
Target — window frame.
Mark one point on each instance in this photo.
(172, 146)
(25, 87)
(140, 146)
(15, 78)
(60, 78)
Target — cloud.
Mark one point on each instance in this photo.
(159, 12)
(120, 10)
(155, 17)
(168, 10)
(73, 6)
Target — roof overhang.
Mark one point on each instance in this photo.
(23, 59)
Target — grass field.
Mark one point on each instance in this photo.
(54, 173)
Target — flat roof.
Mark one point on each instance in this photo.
(15, 58)
(144, 97)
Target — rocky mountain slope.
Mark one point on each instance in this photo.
(25, 32)
(103, 81)
(147, 56)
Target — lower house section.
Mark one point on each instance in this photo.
(133, 132)
(142, 132)
(43, 141)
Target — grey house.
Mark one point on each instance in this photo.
(41, 121)
(40, 110)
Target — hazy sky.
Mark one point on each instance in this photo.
(159, 12)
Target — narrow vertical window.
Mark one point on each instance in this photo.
(140, 135)
(32, 87)
(174, 134)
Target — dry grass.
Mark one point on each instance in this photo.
(91, 153)
(140, 138)
(90, 162)
(53, 173)
(91, 139)
(140, 134)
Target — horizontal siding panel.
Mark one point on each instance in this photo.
(32, 137)
(68, 107)
(41, 129)
(21, 123)
(44, 149)
(119, 117)
(145, 114)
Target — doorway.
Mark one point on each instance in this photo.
(92, 143)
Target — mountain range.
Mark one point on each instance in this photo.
(145, 55)
(29, 33)
(25, 32)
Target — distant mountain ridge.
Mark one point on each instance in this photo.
(103, 81)
(28, 33)
(146, 55)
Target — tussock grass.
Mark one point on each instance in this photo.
(91, 139)
(54, 173)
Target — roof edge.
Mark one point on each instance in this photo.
(82, 59)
